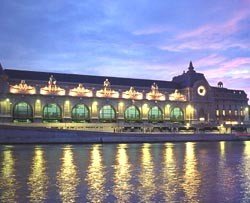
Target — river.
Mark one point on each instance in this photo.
(165, 172)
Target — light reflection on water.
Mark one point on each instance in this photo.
(146, 176)
(168, 172)
(38, 179)
(67, 177)
(95, 176)
(8, 184)
(191, 176)
(122, 175)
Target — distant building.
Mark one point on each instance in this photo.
(97, 102)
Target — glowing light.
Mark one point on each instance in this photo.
(192, 177)
(177, 96)
(154, 94)
(132, 94)
(52, 88)
(146, 177)
(107, 91)
(122, 187)
(67, 177)
(95, 176)
(38, 179)
(8, 182)
(80, 91)
(22, 88)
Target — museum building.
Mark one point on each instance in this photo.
(86, 101)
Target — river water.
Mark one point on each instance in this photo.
(167, 172)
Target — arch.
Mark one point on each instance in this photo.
(132, 113)
(155, 114)
(23, 111)
(177, 115)
(107, 113)
(80, 113)
(52, 112)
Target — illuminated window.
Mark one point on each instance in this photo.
(155, 114)
(132, 113)
(217, 112)
(52, 112)
(176, 115)
(241, 112)
(230, 112)
(107, 113)
(223, 112)
(236, 113)
(22, 111)
(80, 113)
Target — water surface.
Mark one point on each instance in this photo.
(168, 172)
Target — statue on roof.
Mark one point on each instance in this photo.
(106, 84)
(191, 67)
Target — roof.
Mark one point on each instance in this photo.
(74, 78)
(187, 79)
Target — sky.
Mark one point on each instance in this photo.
(129, 38)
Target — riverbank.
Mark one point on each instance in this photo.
(23, 135)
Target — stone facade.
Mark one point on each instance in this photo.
(38, 97)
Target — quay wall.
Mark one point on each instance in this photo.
(23, 135)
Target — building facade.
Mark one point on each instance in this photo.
(119, 104)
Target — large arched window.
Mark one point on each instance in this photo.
(132, 113)
(22, 111)
(107, 113)
(52, 112)
(177, 115)
(80, 113)
(155, 114)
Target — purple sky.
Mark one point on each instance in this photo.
(128, 38)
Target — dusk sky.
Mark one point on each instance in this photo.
(129, 38)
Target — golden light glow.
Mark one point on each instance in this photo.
(154, 94)
(38, 179)
(94, 108)
(96, 176)
(192, 177)
(189, 112)
(67, 177)
(67, 108)
(145, 109)
(222, 148)
(52, 88)
(107, 91)
(169, 170)
(80, 91)
(147, 187)
(38, 107)
(132, 94)
(22, 88)
(122, 186)
(177, 96)
(8, 182)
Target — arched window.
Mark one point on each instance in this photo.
(80, 112)
(52, 112)
(132, 113)
(107, 113)
(22, 111)
(155, 114)
(176, 115)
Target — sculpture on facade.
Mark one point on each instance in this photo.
(107, 91)
(154, 94)
(22, 88)
(80, 91)
(52, 88)
(132, 94)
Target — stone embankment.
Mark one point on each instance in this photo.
(24, 135)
